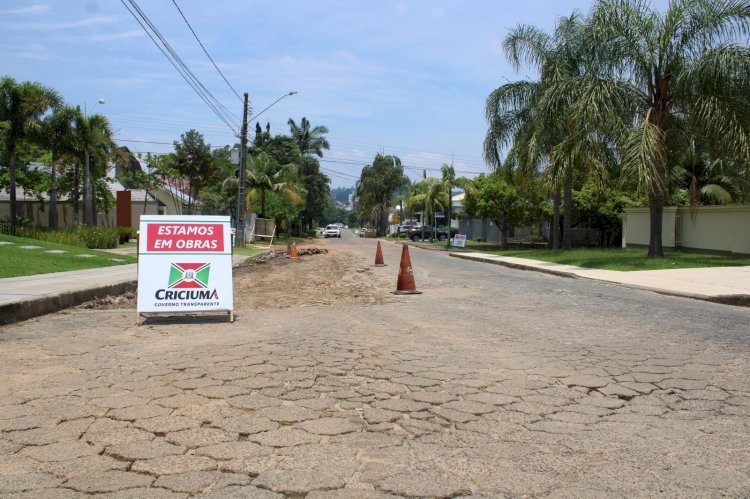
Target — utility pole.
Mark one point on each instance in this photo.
(240, 216)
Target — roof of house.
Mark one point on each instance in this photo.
(137, 195)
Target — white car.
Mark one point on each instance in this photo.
(332, 231)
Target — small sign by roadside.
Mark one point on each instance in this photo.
(439, 214)
(185, 264)
(459, 240)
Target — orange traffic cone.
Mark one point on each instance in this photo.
(293, 252)
(379, 257)
(405, 284)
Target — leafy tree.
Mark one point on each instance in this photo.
(317, 191)
(601, 210)
(494, 198)
(283, 209)
(22, 106)
(668, 73)
(34, 181)
(333, 214)
(193, 163)
(376, 186)
(283, 149)
(309, 140)
(217, 194)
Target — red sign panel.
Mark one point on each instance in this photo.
(186, 237)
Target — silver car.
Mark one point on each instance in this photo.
(332, 231)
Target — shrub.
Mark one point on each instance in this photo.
(84, 236)
(478, 239)
(124, 234)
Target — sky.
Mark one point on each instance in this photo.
(407, 78)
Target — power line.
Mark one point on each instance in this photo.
(341, 174)
(144, 142)
(206, 51)
(211, 101)
(472, 163)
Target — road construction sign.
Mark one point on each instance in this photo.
(185, 264)
(459, 240)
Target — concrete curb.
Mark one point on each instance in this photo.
(735, 300)
(430, 247)
(22, 310)
(512, 265)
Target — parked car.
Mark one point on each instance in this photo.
(332, 231)
(403, 230)
(430, 232)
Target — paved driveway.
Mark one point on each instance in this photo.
(494, 382)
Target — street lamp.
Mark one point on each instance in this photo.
(100, 101)
(240, 229)
(293, 92)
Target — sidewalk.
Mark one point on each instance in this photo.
(729, 285)
(25, 297)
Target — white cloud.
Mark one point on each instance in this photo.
(37, 8)
(119, 36)
(91, 21)
(33, 51)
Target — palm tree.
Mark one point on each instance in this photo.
(93, 136)
(57, 134)
(265, 175)
(542, 131)
(309, 141)
(669, 72)
(22, 106)
(448, 182)
(376, 186)
(706, 181)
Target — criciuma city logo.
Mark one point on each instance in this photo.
(188, 281)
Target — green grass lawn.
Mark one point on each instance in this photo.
(15, 262)
(626, 259)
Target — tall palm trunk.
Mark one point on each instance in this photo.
(657, 194)
(76, 194)
(92, 190)
(87, 205)
(450, 205)
(12, 187)
(656, 212)
(556, 218)
(567, 206)
(53, 193)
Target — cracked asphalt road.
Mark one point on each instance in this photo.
(493, 383)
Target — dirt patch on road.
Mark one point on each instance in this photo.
(319, 278)
(337, 278)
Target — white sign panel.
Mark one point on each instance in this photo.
(459, 240)
(185, 264)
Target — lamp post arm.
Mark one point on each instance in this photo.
(293, 92)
